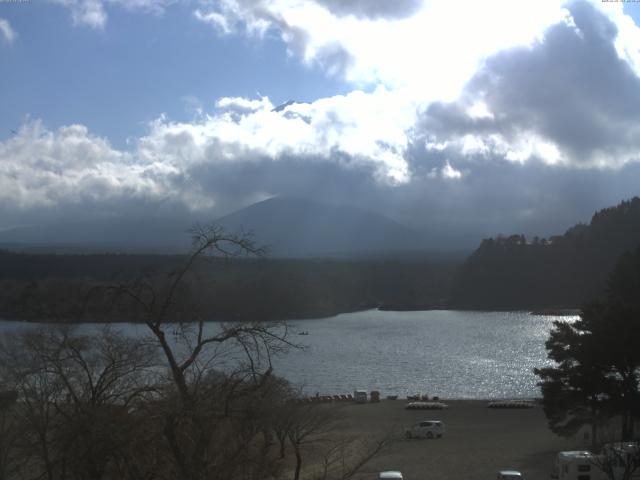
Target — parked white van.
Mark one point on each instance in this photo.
(426, 429)
(576, 465)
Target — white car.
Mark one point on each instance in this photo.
(426, 429)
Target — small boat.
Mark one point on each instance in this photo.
(303, 333)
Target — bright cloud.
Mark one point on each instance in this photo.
(70, 166)
(358, 128)
(40, 169)
(569, 98)
(428, 54)
(432, 50)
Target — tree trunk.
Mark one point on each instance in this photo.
(176, 371)
(594, 422)
(296, 475)
(169, 431)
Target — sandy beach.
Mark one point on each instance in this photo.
(479, 441)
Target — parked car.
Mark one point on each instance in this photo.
(390, 475)
(426, 429)
(510, 475)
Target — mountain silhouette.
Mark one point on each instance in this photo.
(298, 227)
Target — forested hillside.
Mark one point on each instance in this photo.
(77, 287)
(558, 272)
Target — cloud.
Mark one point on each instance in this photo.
(7, 33)
(420, 45)
(566, 99)
(70, 168)
(242, 151)
(358, 128)
(89, 13)
(70, 172)
(156, 7)
(93, 13)
(215, 19)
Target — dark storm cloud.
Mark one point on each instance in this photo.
(571, 88)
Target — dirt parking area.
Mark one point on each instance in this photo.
(478, 442)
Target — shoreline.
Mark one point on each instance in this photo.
(404, 399)
(317, 316)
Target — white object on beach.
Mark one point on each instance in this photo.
(360, 396)
(511, 404)
(510, 475)
(390, 475)
(426, 406)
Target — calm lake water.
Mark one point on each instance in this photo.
(453, 354)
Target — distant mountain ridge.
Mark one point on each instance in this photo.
(149, 235)
(289, 227)
(560, 272)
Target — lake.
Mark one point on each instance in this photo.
(452, 354)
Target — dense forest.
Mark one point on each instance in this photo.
(559, 272)
(80, 287)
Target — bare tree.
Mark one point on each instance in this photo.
(315, 430)
(345, 456)
(10, 433)
(310, 422)
(75, 393)
(618, 460)
(215, 372)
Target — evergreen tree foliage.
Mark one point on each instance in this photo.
(563, 271)
(598, 360)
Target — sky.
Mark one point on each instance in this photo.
(472, 118)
